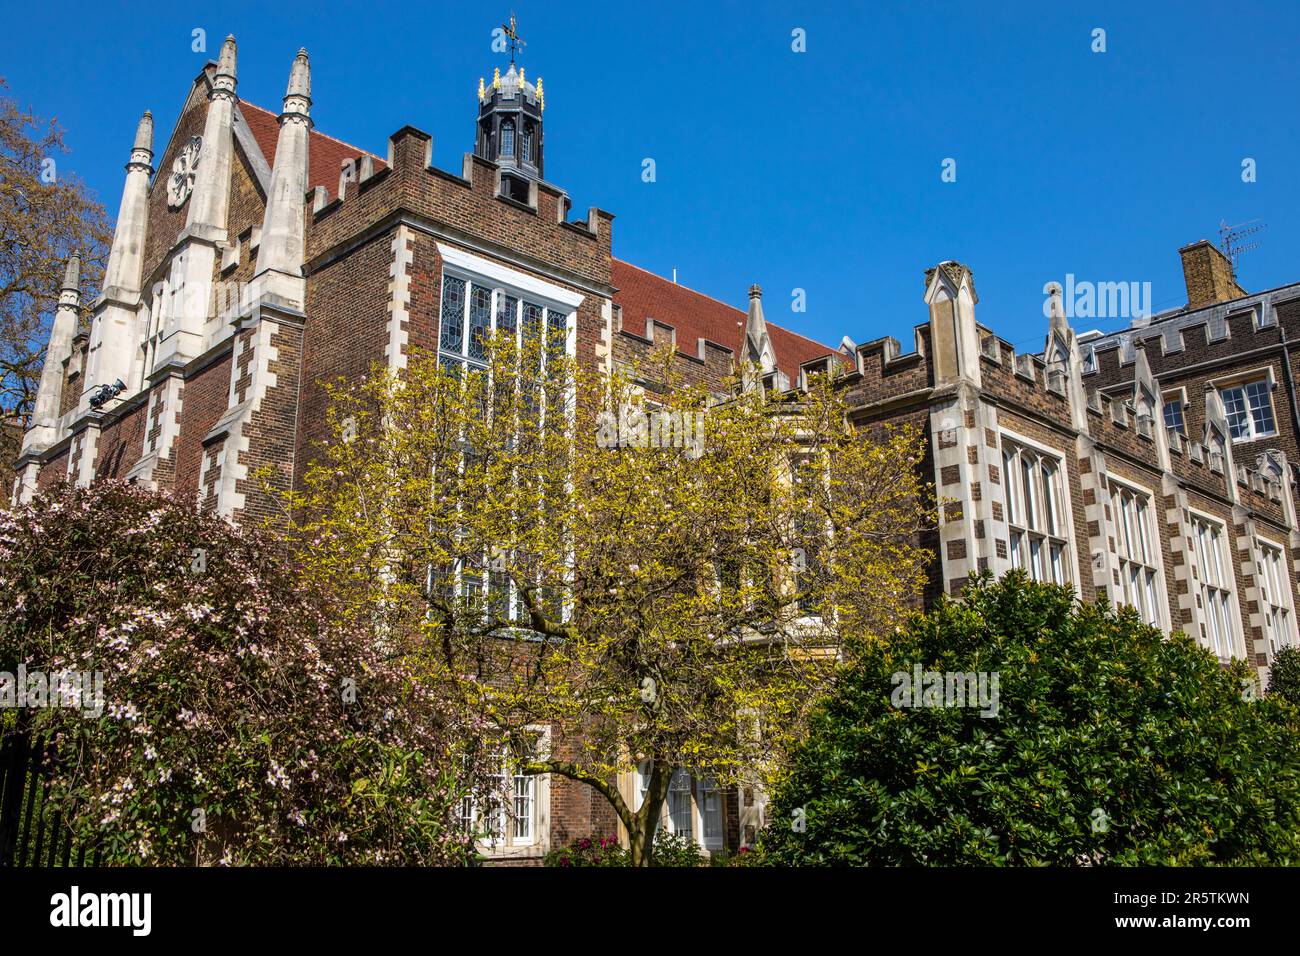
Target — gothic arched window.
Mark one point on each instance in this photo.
(508, 138)
(526, 144)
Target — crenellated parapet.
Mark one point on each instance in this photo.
(471, 207)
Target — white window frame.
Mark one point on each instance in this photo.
(1141, 571)
(703, 798)
(1276, 607)
(1175, 396)
(501, 281)
(503, 838)
(1242, 382)
(1025, 541)
(1219, 604)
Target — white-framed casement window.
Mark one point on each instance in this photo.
(1214, 574)
(1275, 605)
(693, 808)
(1249, 409)
(1140, 584)
(1034, 485)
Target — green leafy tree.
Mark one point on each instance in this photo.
(239, 722)
(1111, 744)
(666, 586)
(1284, 675)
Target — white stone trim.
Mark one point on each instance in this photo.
(399, 299)
(229, 499)
(494, 271)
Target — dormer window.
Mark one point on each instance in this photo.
(1249, 408)
(508, 138)
(1173, 412)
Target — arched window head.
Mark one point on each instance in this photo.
(508, 138)
(526, 144)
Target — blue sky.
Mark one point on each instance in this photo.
(817, 170)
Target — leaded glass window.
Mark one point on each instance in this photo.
(1139, 585)
(480, 322)
(453, 314)
(1275, 597)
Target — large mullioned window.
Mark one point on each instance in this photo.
(472, 310)
(1214, 569)
(1139, 553)
(1035, 500)
(1275, 596)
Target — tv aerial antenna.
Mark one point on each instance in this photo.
(1230, 239)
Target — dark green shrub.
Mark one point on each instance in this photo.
(1111, 745)
(1284, 675)
(671, 849)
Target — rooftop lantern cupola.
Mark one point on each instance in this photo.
(510, 123)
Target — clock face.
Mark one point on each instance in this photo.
(181, 181)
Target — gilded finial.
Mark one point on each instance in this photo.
(481, 92)
(496, 79)
(541, 97)
(521, 76)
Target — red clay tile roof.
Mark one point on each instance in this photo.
(326, 154)
(695, 316)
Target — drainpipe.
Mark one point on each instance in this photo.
(1290, 384)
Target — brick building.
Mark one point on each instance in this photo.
(1150, 467)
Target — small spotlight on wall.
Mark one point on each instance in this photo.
(106, 392)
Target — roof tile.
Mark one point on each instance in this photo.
(325, 153)
(693, 315)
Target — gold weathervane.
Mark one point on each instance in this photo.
(513, 36)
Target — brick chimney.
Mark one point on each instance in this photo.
(1208, 275)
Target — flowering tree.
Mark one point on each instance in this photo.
(667, 586)
(239, 721)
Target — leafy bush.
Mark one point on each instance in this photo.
(589, 851)
(742, 857)
(1284, 675)
(1111, 745)
(672, 849)
(669, 850)
(242, 723)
